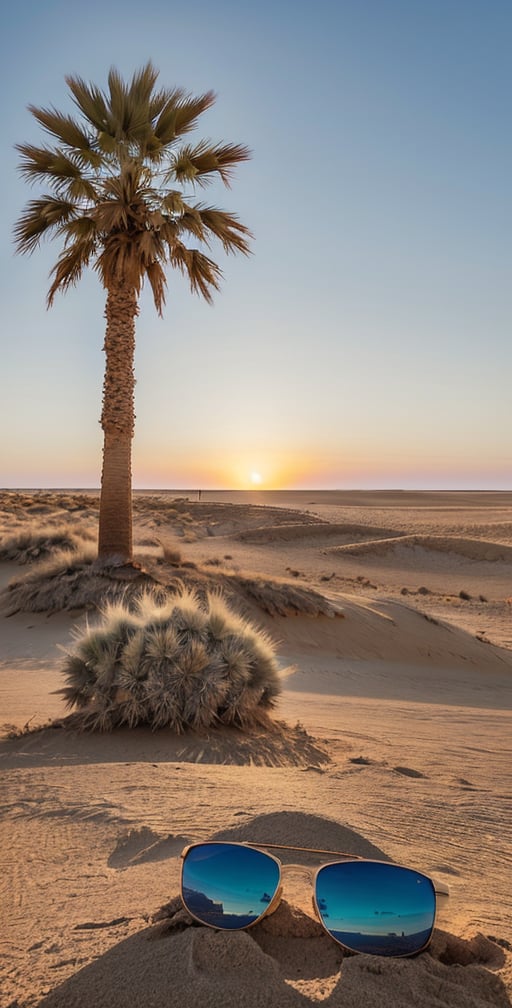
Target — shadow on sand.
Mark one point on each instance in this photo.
(286, 960)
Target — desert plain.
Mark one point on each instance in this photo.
(391, 614)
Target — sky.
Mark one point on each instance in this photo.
(365, 342)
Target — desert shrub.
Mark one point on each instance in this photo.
(64, 580)
(171, 554)
(180, 662)
(38, 543)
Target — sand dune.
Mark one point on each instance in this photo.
(471, 549)
(295, 532)
(391, 632)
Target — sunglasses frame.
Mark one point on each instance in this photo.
(439, 888)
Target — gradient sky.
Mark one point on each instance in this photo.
(366, 343)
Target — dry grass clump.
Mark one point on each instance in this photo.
(180, 663)
(35, 543)
(171, 554)
(66, 580)
(279, 598)
(70, 579)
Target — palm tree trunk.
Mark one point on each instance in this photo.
(117, 421)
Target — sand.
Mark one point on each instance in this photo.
(393, 742)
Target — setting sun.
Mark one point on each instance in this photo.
(256, 477)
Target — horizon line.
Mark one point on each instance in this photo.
(260, 490)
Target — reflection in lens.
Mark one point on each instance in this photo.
(374, 907)
(228, 886)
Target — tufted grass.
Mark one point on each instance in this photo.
(184, 662)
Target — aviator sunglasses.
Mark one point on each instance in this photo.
(367, 906)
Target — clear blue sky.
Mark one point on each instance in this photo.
(367, 340)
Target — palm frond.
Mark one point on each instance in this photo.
(107, 143)
(157, 103)
(149, 246)
(191, 222)
(169, 232)
(228, 156)
(44, 162)
(173, 202)
(165, 125)
(226, 227)
(70, 266)
(80, 681)
(63, 127)
(198, 164)
(91, 102)
(188, 110)
(80, 189)
(203, 273)
(111, 215)
(119, 102)
(130, 107)
(142, 84)
(158, 282)
(81, 229)
(40, 216)
(120, 261)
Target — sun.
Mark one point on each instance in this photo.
(256, 478)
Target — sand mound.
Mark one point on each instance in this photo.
(290, 828)
(389, 631)
(66, 582)
(278, 745)
(212, 518)
(469, 549)
(286, 960)
(300, 532)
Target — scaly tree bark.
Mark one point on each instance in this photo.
(118, 421)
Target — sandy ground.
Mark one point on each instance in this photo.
(397, 745)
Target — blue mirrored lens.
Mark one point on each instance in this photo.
(228, 886)
(381, 909)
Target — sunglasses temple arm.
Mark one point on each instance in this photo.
(441, 888)
(303, 850)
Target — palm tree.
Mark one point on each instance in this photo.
(116, 177)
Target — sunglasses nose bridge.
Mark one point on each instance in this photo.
(295, 869)
(306, 873)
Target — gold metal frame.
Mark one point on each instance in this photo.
(439, 888)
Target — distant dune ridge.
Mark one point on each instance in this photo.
(472, 549)
(390, 617)
(326, 530)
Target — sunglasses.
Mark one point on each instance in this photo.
(366, 906)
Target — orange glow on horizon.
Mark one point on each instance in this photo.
(256, 469)
(263, 469)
